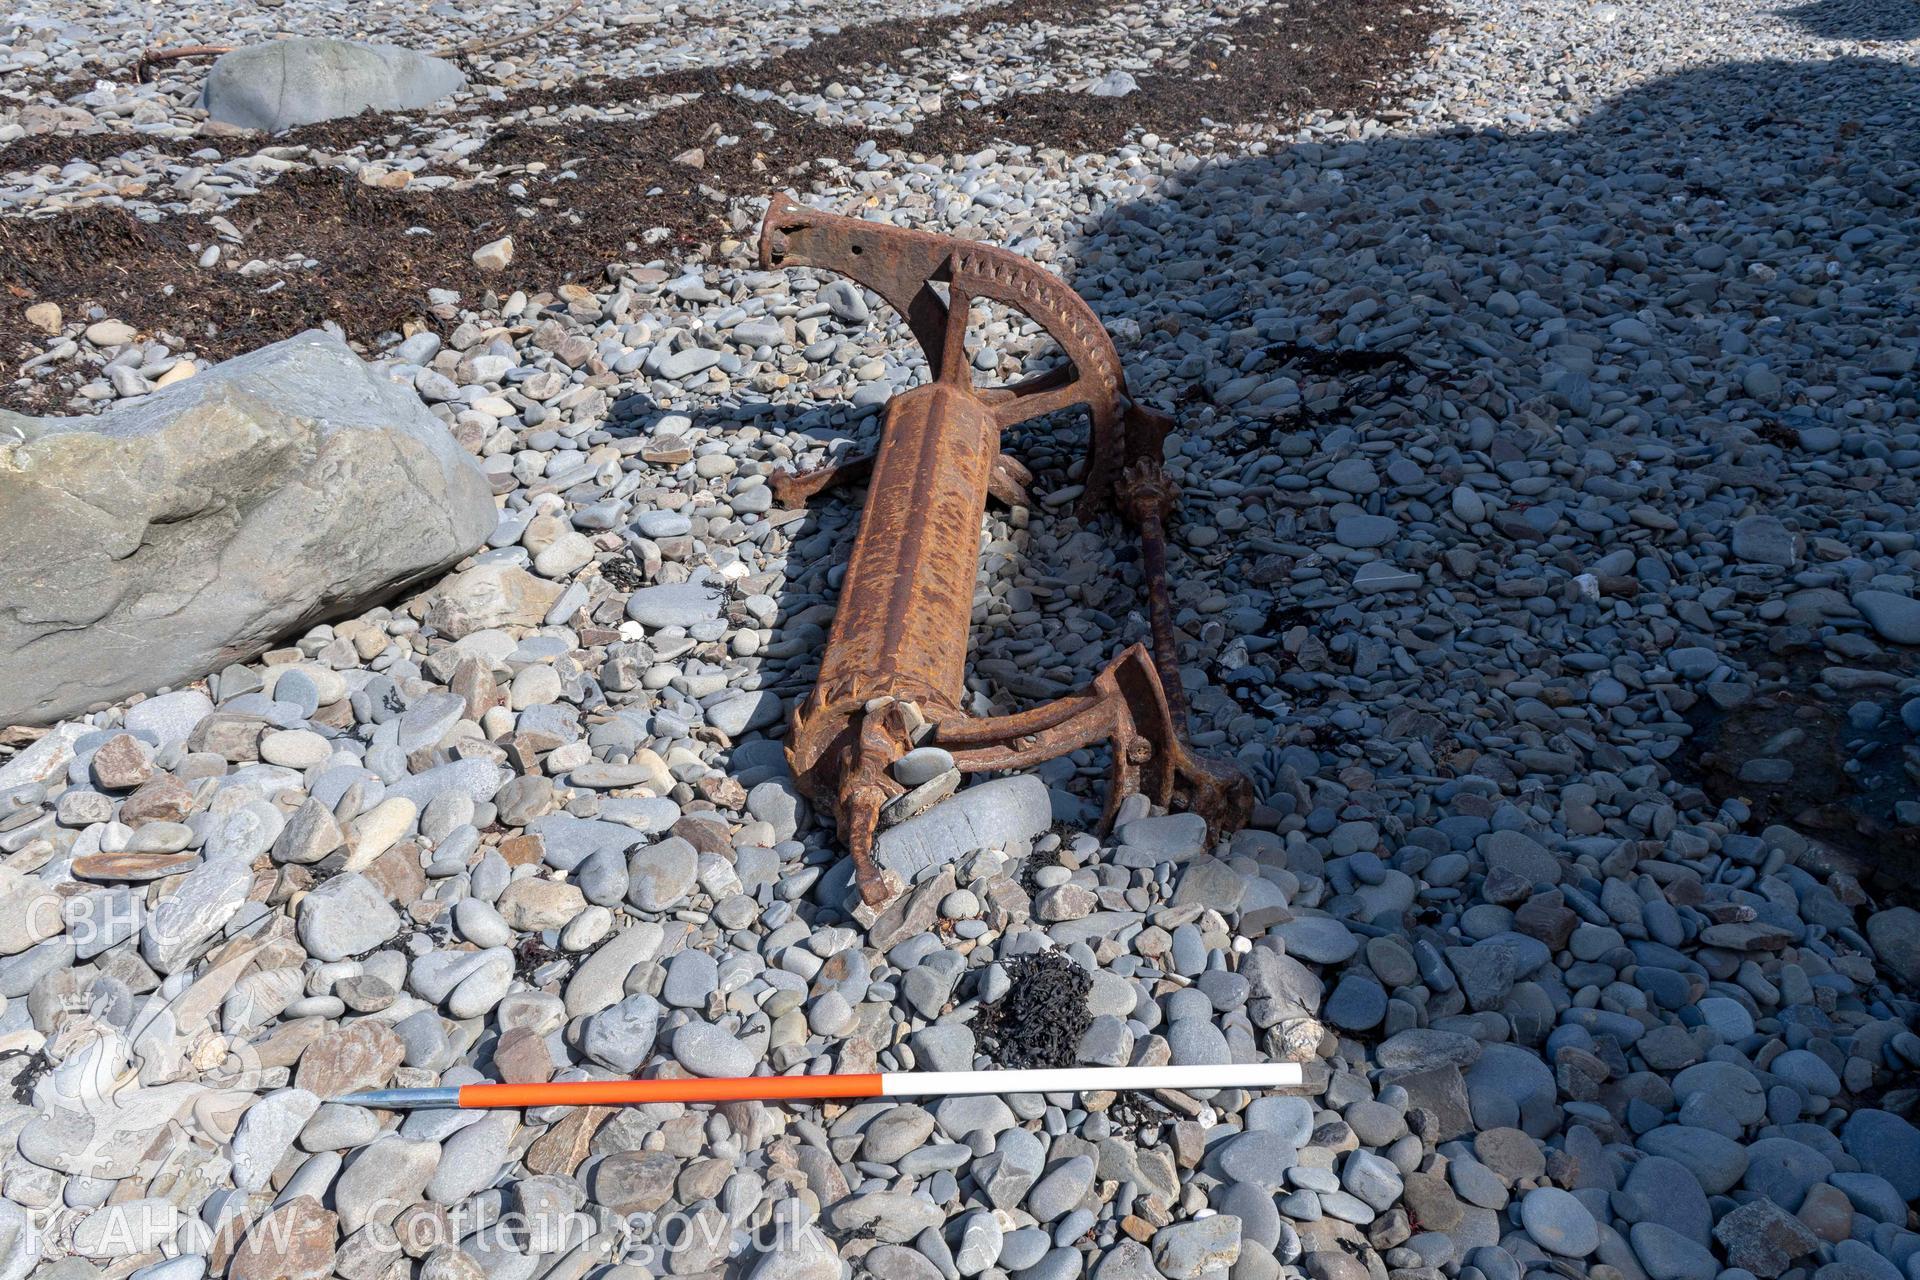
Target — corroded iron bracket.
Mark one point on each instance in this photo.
(894, 670)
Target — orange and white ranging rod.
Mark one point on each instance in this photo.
(882, 1084)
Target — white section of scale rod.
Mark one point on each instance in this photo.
(1250, 1075)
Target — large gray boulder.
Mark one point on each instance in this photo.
(302, 81)
(192, 528)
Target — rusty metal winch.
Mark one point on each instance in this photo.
(893, 673)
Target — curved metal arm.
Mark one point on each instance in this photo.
(902, 266)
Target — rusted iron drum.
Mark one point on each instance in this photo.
(900, 630)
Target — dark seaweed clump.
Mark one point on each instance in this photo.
(1040, 1020)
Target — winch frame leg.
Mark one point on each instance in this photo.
(1127, 706)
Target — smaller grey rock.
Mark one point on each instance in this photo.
(345, 916)
(1354, 475)
(1062, 1188)
(1665, 1254)
(622, 1038)
(895, 1132)
(1522, 855)
(744, 712)
(844, 300)
(266, 1133)
(679, 604)
(921, 765)
(1557, 1222)
(1198, 1247)
(1197, 1042)
(692, 976)
(662, 875)
(1887, 1145)
(1320, 939)
(1895, 935)
(706, 1050)
(472, 1158)
(1895, 617)
(1359, 1003)
(1361, 532)
(1763, 539)
(169, 717)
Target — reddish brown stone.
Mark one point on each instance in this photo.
(1512, 1153)
(234, 736)
(229, 1232)
(196, 765)
(335, 715)
(121, 763)
(724, 792)
(838, 968)
(346, 1059)
(164, 799)
(371, 1253)
(1547, 917)
(522, 1057)
(294, 1242)
(708, 835)
(1429, 1195)
(667, 451)
(397, 873)
(476, 749)
(283, 1046)
(131, 866)
(1685, 890)
(629, 1182)
(523, 850)
(470, 435)
(701, 1179)
(1827, 1213)
(420, 1228)
(561, 1148)
(524, 752)
(474, 682)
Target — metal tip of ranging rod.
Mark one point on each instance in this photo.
(404, 1099)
